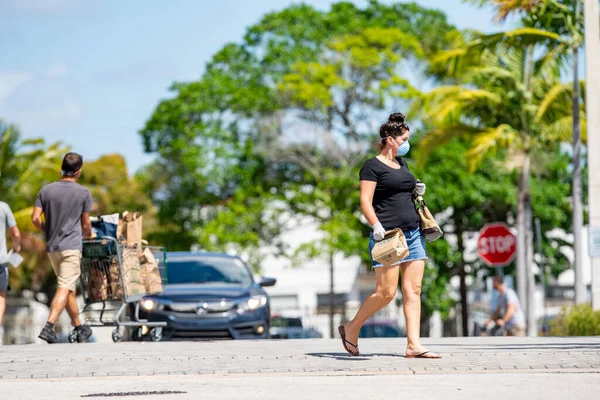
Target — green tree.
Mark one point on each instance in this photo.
(556, 26)
(279, 124)
(25, 166)
(468, 200)
(214, 138)
(507, 99)
(114, 191)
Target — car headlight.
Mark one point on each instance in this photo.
(253, 303)
(148, 304)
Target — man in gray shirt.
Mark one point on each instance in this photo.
(509, 313)
(66, 206)
(7, 224)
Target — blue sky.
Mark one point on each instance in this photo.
(89, 73)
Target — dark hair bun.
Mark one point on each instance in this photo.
(397, 118)
(394, 127)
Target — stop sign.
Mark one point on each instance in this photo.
(496, 245)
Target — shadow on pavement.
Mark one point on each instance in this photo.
(346, 356)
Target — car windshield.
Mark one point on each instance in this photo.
(208, 270)
(279, 322)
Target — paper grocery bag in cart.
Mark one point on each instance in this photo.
(131, 270)
(150, 272)
(391, 249)
(131, 229)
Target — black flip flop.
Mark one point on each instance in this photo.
(422, 354)
(342, 332)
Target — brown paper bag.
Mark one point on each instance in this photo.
(150, 272)
(131, 228)
(391, 249)
(430, 228)
(116, 287)
(131, 270)
(98, 285)
(121, 230)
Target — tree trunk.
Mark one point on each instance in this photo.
(462, 273)
(531, 315)
(580, 290)
(527, 279)
(523, 191)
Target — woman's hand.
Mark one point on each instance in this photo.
(378, 232)
(420, 188)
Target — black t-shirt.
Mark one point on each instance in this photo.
(392, 201)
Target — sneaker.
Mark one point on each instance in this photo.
(49, 336)
(83, 333)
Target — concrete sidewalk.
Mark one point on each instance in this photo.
(310, 356)
(471, 368)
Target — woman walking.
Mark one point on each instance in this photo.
(386, 198)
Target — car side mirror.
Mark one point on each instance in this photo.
(264, 282)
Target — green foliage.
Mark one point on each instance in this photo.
(279, 125)
(506, 100)
(579, 320)
(26, 166)
(113, 190)
(551, 15)
(469, 200)
(225, 138)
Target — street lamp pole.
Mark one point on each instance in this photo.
(592, 104)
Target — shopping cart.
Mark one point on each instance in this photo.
(115, 277)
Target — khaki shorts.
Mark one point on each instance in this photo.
(516, 331)
(67, 267)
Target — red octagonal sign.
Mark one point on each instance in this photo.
(496, 245)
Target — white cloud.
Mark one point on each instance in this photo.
(10, 80)
(57, 70)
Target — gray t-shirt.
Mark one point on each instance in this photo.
(7, 221)
(510, 297)
(63, 202)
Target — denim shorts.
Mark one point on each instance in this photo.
(3, 277)
(416, 247)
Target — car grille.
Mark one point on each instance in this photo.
(209, 307)
(202, 335)
(221, 334)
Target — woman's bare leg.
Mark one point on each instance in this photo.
(412, 277)
(387, 285)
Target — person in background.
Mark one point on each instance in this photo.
(508, 314)
(66, 206)
(7, 224)
(387, 192)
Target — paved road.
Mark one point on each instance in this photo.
(528, 368)
(496, 386)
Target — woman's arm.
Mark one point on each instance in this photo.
(367, 190)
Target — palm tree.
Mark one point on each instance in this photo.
(502, 99)
(25, 166)
(564, 20)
